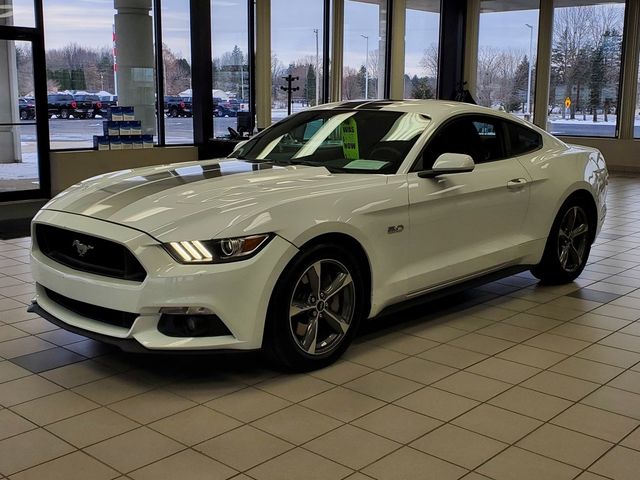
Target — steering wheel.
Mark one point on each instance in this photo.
(384, 152)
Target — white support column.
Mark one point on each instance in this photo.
(471, 46)
(629, 88)
(543, 63)
(263, 63)
(396, 75)
(134, 43)
(10, 148)
(337, 51)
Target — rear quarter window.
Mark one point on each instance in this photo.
(522, 140)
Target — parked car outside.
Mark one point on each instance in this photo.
(97, 108)
(224, 108)
(326, 219)
(176, 106)
(27, 109)
(63, 105)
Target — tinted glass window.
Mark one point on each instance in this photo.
(522, 140)
(480, 138)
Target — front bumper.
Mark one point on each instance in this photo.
(238, 293)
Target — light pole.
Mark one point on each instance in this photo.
(315, 30)
(530, 63)
(366, 69)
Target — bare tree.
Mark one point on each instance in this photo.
(429, 61)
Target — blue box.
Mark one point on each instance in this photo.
(125, 128)
(115, 114)
(137, 142)
(115, 142)
(111, 128)
(147, 141)
(135, 127)
(128, 114)
(127, 142)
(100, 142)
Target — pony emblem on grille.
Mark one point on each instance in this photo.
(81, 247)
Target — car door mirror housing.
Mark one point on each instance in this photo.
(449, 163)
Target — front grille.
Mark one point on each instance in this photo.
(88, 254)
(101, 314)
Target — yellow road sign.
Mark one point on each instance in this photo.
(567, 102)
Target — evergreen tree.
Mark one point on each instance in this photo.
(310, 86)
(420, 88)
(597, 80)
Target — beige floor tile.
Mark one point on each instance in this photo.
(574, 303)
(452, 356)
(632, 328)
(472, 386)
(459, 446)
(497, 423)
(294, 388)
(243, 448)
(629, 381)
(248, 404)
(617, 311)
(600, 321)
(113, 389)
(92, 427)
(12, 424)
(469, 323)
(408, 463)
(481, 343)
(352, 446)
(341, 372)
(371, 356)
(560, 385)
(35, 326)
(151, 406)
(54, 407)
(404, 343)
(132, 450)
(587, 369)
(10, 371)
(503, 370)
(490, 312)
(557, 343)
(531, 403)
(622, 341)
(77, 374)
(75, 466)
(580, 332)
(420, 370)
(517, 464)
(29, 449)
(25, 389)
(555, 312)
(343, 404)
(534, 322)
(383, 386)
(291, 464)
(396, 423)
(633, 440)
(296, 424)
(203, 389)
(610, 355)
(616, 401)
(590, 476)
(185, 464)
(596, 422)
(436, 332)
(195, 425)
(437, 403)
(507, 331)
(23, 346)
(620, 463)
(8, 332)
(532, 356)
(565, 445)
(516, 304)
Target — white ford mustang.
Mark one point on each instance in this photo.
(321, 221)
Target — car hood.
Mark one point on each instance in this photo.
(178, 201)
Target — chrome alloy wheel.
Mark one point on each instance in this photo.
(322, 307)
(572, 239)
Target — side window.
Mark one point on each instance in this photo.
(522, 139)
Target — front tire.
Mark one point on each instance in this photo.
(568, 245)
(316, 308)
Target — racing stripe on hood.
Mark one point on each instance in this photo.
(103, 202)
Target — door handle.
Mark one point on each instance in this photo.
(516, 183)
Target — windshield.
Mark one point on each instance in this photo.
(353, 141)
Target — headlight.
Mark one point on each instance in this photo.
(217, 251)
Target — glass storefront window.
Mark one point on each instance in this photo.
(296, 50)
(585, 68)
(176, 77)
(422, 36)
(18, 139)
(506, 69)
(94, 63)
(17, 13)
(363, 75)
(229, 39)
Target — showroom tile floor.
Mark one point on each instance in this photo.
(508, 381)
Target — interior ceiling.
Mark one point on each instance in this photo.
(487, 6)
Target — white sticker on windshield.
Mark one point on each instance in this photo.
(366, 164)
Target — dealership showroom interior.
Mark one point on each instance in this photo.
(320, 239)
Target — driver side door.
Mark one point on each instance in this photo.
(464, 224)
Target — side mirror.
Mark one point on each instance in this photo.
(448, 163)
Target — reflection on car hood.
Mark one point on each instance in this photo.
(158, 200)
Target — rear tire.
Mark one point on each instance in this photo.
(64, 114)
(316, 308)
(568, 245)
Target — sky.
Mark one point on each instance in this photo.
(89, 23)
